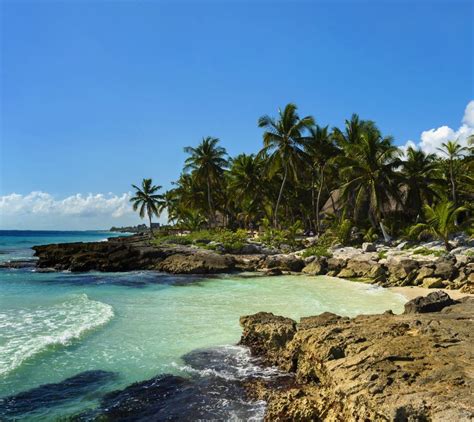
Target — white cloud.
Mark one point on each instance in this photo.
(432, 139)
(41, 210)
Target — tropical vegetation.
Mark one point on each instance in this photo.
(345, 185)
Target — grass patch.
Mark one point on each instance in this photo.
(382, 254)
(208, 239)
(318, 251)
(426, 251)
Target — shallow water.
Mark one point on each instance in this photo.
(54, 326)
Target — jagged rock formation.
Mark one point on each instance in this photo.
(411, 367)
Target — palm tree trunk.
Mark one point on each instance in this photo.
(311, 221)
(447, 245)
(275, 217)
(209, 200)
(453, 185)
(321, 182)
(149, 219)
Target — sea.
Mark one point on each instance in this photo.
(144, 345)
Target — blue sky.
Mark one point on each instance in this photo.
(99, 94)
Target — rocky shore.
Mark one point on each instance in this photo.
(417, 366)
(379, 264)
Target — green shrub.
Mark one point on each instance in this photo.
(426, 251)
(370, 235)
(317, 250)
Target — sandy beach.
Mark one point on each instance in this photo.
(410, 292)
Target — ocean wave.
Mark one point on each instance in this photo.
(229, 362)
(28, 332)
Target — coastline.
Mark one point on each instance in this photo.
(411, 292)
(415, 366)
(375, 264)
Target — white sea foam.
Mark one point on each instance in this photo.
(25, 333)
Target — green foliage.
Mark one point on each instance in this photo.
(426, 251)
(370, 235)
(440, 222)
(382, 254)
(209, 239)
(343, 231)
(309, 173)
(276, 238)
(317, 250)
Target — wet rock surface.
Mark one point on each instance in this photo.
(410, 367)
(213, 387)
(50, 395)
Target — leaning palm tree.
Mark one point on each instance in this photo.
(147, 201)
(282, 145)
(454, 152)
(440, 222)
(207, 162)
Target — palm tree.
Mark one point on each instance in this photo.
(353, 130)
(440, 222)
(454, 151)
(207, 162)
(246, 185)
(369, 170)
(147, 200)
(320, 149)
(420, 175)
(282, 144)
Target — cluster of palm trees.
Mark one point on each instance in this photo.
(313, 174)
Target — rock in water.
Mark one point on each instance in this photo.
(434, 302)
(49, 395)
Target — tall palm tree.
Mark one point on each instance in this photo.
(420, 174)
(246, 186)
(369, 170)
(440, 221)
(282, 144)
(353, 130)
(207, 162)
(147, 200)
(454, 152)
(320, 150)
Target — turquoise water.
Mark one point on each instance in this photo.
(136, 325)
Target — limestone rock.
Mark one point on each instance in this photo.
(369, 247)
(317, 266)
(434, 302)
(284, 262)
(433, 283)
(202, 262)
(266, 333)
(411, 367)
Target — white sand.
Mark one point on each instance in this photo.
(410, 292)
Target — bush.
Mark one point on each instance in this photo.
(317, 250)
(426, 251)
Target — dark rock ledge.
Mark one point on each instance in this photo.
(410, 367)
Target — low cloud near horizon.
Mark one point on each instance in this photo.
(431, 140)
(41, 210)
